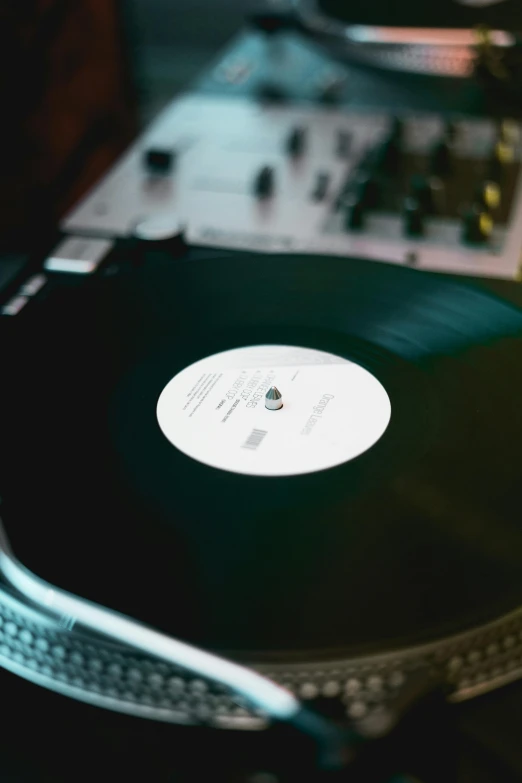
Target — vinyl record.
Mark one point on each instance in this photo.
(386, 509)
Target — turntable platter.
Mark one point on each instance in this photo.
(406, 536)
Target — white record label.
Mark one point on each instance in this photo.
(214, 410)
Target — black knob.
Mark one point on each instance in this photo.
(421, 190)
(354, 213)
(343, 143)
(389, 156)
(440, 159)
(322, 183)
(413, 217)
(397, 128)
(450, 131)
(366, 188)
(386, 156)
(158, 160)
(264, 182)
(296, 142)
(477, 225)
(330, 88)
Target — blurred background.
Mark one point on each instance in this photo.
(171, 41)
(80, 78)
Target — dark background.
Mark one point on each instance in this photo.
(78, 79)
(411, 13)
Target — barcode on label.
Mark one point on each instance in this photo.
(254, 439)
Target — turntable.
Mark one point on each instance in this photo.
(252, 479)
(366, 530)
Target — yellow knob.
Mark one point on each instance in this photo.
(491, 195)
(504, 152)
(485, 224)
(509, 131)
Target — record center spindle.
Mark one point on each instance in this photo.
(273, 399)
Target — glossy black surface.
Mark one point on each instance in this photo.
(407, 13)
(419, 536)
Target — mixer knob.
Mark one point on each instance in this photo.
(366, 188)
(322, 183)
(330, 87)
(413, 217)
(450, 131)
(387, 155)
(395, 130)
(158, 160)
(343, 143)
(161, 232)
(264, 182)
(296, 142)
(421, 190)
(503, 154)
(354, 212)
(509, 132)
(489, 195)
(478, 225)
(440, 159)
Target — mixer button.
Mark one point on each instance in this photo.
(158, 160)
(264, 182)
